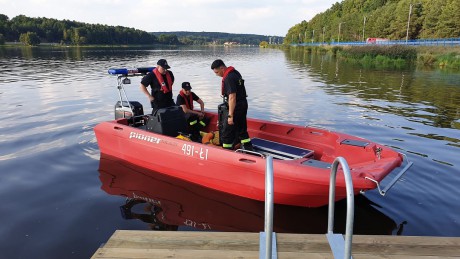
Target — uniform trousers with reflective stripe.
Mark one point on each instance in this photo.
(238, 132)
(194, 125)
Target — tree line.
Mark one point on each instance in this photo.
(33, 31)
(216, 38)
(21, 28)
(356, 20)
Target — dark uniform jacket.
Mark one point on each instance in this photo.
(161, 100)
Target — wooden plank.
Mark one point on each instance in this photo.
(407, 245)
(104, 253)
(188, 244)
(187, 240)
(172, 253)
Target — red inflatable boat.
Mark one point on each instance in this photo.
(302, 156)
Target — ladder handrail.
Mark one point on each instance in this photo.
(269, 204)
(350, 203)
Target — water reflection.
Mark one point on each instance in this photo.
(166, 203)
(407, 92)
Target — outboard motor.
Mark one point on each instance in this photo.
(123, 110)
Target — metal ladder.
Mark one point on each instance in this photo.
(340, 249)
(267, 239)
(336, 242)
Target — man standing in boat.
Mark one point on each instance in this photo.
(160, 81)
(234, 126)
(195, 119)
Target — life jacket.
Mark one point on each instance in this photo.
(189, 101)
(164, 88)
(226, 72)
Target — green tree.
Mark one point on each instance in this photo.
(78, 36)
(3, 23)
(2, 39)
(384, 19)
(432, 9)
(65, 31)
(169, 39)
(371, 5)
(66, 36)
(263, 44)
(449, 20)
(296, 34)
(29, 39)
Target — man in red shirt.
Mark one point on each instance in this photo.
(195, 119)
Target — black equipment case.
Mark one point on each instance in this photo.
(222, 111)
(168, 121)
(123, 111)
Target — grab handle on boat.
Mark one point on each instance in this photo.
(388, 187)
(244, 151)
(249, 161)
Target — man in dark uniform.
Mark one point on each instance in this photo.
(160, 81)
(234, 127)
(195, 119)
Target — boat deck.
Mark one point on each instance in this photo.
(189, 244)
(279, 150)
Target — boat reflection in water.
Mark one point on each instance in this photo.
(165, 203)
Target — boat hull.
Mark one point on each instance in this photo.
(301, 182)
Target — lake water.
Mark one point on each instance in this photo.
(61, 199)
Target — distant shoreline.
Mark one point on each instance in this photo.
(57, 45)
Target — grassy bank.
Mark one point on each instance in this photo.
(393, 56)
(443, 57)
(380, 56)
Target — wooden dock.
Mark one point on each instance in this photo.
(189, 244)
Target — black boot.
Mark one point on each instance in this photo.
(195, 133)
(247, 146)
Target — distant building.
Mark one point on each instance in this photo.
(227, 43)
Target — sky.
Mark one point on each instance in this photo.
(263, 17)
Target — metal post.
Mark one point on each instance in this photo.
(408, 22)
(364, 26)
(268, 207)
(338, 37)
(323, 32)
(340, 25)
